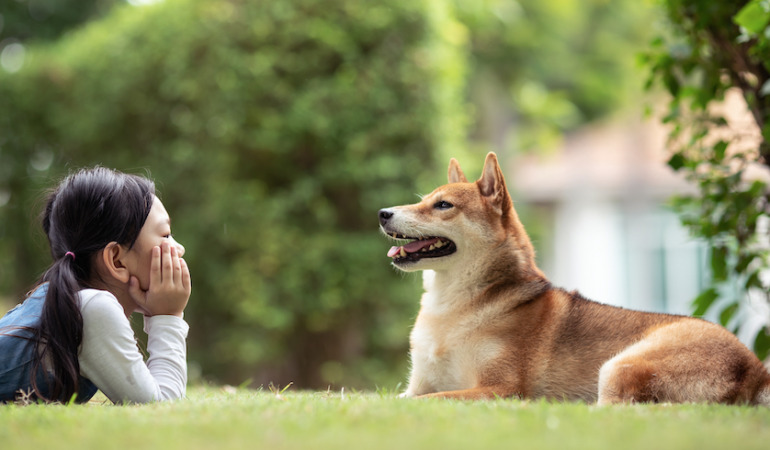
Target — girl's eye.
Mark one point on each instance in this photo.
(443, 205)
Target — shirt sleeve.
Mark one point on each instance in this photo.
(110, 358)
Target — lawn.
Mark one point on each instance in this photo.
(238, 418)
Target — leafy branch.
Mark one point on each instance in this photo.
(720, 46)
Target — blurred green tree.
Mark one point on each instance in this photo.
(539, 69)
(275, 130)
(717, 46)
(41, 20)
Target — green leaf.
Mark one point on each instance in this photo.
(676, 161)
(704, 301)
(753, 17)
(754, 281)
(757, 188)
(719, 263)
(762, 344)
(766, 131)
(744, 259)
(672, 84)
(728, 313)
(719, 151)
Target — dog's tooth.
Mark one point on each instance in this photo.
(432, 247)
(403, 252)
(394, 235)
(438, 244)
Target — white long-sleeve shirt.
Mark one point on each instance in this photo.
(110, 358)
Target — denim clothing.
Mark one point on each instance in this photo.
(17, 350)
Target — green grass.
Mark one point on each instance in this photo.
(229, 418)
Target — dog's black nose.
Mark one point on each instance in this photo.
(385, 215)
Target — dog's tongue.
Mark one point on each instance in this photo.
(412, 247)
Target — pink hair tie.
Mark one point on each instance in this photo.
(70, 254)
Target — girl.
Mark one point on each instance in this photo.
(113, 254)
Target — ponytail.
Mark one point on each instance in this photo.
(60, 332)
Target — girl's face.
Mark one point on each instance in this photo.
(156, 231)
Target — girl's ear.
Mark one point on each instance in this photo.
(113, 258)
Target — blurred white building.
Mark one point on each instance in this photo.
(607, 233)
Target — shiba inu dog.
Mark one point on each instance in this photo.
(491, 324)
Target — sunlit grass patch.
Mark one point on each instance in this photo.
(279, 418)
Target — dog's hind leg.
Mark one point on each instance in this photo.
(686, 361)
(627, 381)
(763, 395)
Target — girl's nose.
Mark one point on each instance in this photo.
(179, 247)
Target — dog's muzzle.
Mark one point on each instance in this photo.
(419, 247)
(385, 215)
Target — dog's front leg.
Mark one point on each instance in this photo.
(417, 386)
(477, 393)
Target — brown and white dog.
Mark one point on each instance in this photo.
(491, 324)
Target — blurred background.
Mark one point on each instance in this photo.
(275, 131)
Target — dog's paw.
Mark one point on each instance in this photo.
(404, 395)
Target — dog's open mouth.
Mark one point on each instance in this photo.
(418, 248)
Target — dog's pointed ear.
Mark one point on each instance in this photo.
(492, 184)
(455, 173)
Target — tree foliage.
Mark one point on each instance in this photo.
(45, 20)
(275, 131)
(548, 67)
(718, 46)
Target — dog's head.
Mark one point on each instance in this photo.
(460, 221)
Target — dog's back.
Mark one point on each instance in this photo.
(491, 324)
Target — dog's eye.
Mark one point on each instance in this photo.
(443, 205)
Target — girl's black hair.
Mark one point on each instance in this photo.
(88, 210)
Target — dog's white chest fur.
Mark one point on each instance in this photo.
(446, 350)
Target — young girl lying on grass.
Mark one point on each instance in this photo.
(113, 255)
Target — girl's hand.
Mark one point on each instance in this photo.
(169, 287)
